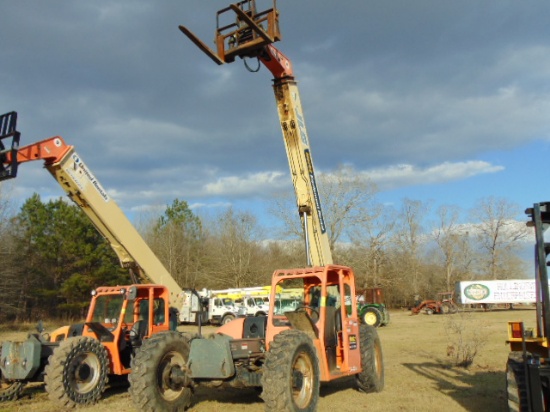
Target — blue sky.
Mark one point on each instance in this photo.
(434, 100)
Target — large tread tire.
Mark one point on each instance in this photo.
(371, 379)
(290, 380)
(77, 372)
(372, 317)
(10, 390)
(386, 318)
(151, 389)
(516, 385)
(445, 308)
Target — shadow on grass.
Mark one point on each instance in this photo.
(475, 390)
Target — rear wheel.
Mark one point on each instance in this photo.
(445, 308)
(386, 317)
(290, 380)
(371, 379)
(372, 317)
(76, 373)
(157, 381)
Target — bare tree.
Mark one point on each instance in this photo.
(346, 198)
(371, 236)
(449, 236)
(410, 240)
(235, 251)
(499, 234)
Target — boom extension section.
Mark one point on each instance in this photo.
(251, 35)
(83, 188)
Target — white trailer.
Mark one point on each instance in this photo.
(496, 291)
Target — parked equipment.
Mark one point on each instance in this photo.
(528, 366)
(75, 361)
(371, 307)
(205, 306)
(290, 353)
(444, 305)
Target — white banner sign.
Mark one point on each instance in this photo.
(497, 291)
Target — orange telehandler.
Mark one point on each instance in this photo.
(290, 352)
(75, 361)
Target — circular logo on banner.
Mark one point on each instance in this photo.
(476, 291)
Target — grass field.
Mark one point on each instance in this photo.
(420, 375)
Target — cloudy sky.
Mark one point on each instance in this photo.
(434, 100)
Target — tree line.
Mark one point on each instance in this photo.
(53, 256)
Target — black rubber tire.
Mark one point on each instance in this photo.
(454, 308)
(77, 372)
(10, 390)
(150, 386)
(386, 317)
(372, 317)
(290, 380)
(227, 318)
(516, 385)
(371, 379)
(445, 308)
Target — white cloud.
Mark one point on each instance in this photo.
(407, 175)
(254, 183)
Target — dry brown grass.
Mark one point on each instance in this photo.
(419, 374)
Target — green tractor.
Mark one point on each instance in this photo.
(371, 307)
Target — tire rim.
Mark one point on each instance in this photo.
(85, 372)
(302, 380)
(369, 318)
(168, 389)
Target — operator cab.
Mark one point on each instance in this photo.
(318, 301)
(126, 315)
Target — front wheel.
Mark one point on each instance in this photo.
(290, 381)
(10, 390)
(77, 371)
(158, 380)
(371, 379)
